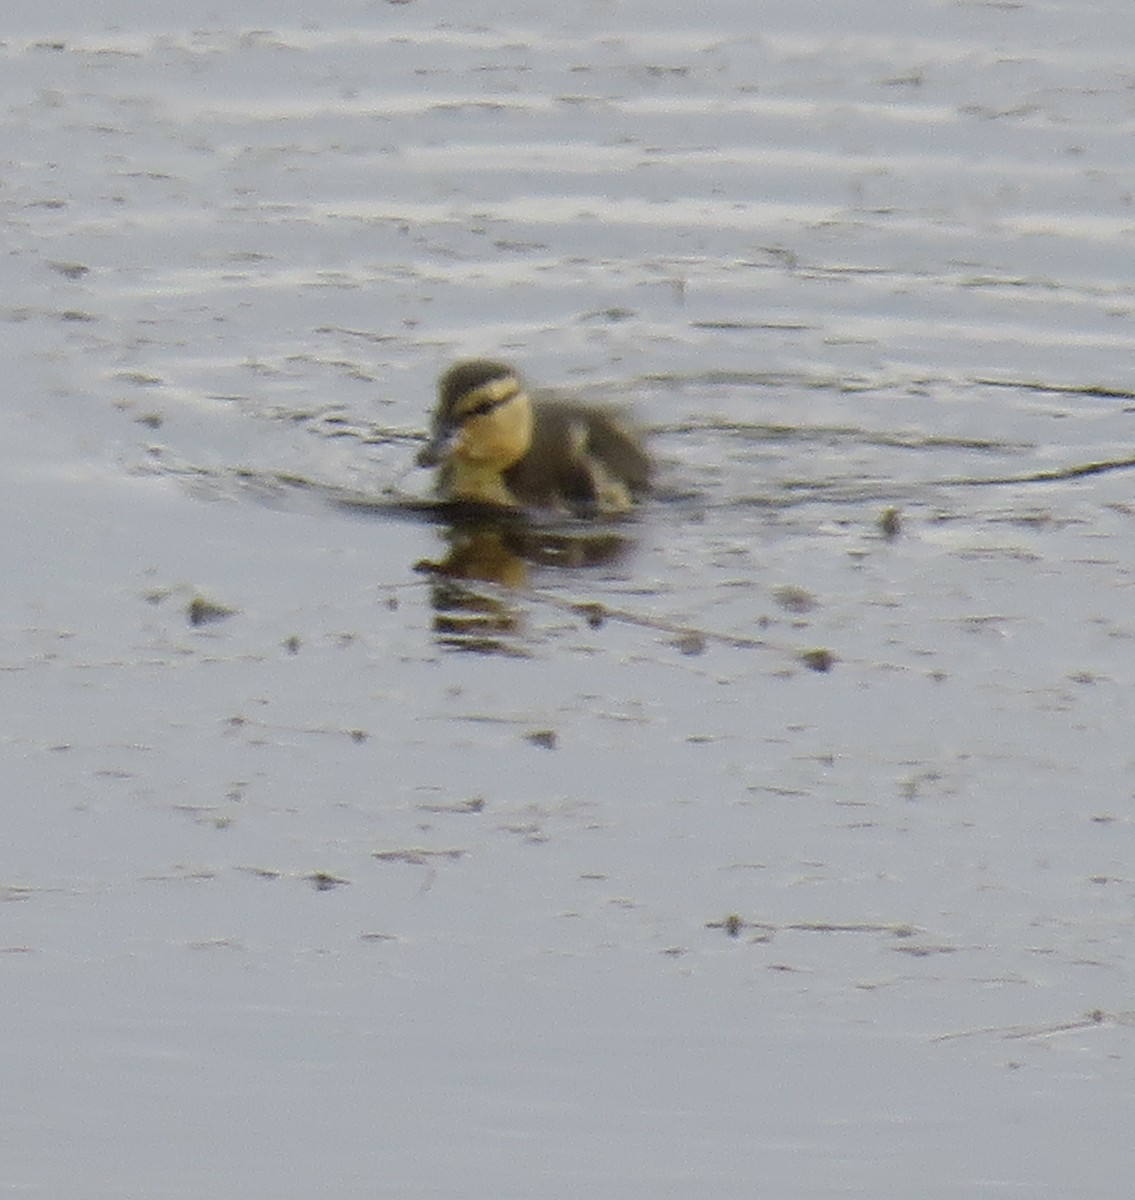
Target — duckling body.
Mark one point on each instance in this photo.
(497, 444)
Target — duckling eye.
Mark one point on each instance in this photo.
(480, 408)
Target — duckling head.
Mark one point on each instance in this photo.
(481, 426)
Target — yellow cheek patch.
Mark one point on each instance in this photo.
(500, 436)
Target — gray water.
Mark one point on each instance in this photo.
(624, 898)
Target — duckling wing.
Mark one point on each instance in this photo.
(619, 448)
(551, 474)
(581, 458)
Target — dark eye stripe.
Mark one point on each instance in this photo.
(486, 404)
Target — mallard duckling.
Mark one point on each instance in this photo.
(497, 444)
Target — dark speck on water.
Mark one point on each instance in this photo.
(202, 611)
(818, 660)
(323, 882)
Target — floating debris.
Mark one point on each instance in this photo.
(1094, 1017)
(734, 923)
(475, 804)
(592, 612)
(323, 882)
(72, 270)
(206, 612)
(416, 857)
(818, 660)
(260, 872)
(795, 599)
(890, 523)
(692, 642)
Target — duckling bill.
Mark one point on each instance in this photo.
(494, 443)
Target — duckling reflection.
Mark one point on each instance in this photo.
(501, 552)
(497, 444)
(465, 619)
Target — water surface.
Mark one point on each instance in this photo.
(623, 897)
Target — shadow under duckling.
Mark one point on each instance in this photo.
(496, 444)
